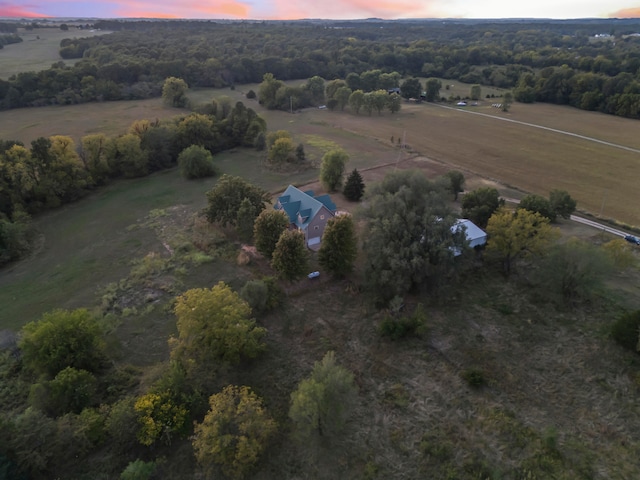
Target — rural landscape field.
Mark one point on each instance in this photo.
(501, 375)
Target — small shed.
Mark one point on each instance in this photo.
(474, 234)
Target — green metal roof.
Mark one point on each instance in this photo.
(302, 207)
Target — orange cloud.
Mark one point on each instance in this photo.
(388, 9)
(626, 13)
(15, 11)
(189, 9)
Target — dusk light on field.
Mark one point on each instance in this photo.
(341, 9)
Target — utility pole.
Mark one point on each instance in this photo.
(404, 134)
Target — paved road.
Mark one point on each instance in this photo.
(542, 127)
(599, 226)
(584, 221)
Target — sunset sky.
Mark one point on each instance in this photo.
(335, 9)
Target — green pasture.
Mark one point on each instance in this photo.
(38, 50)
(85, 246)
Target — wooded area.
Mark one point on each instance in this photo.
(589, 64)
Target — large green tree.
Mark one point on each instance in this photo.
(342, 97)
(456, 182)
(234, 432)
(408, 240)
(478, 205)
(268, 89)
(339, 247)
(433, 87)
(411, 88)
(561, 203)
(519, 234)
(356, 100)
(290, 257)
(174, 92)
(332, 169)
(267, 230)
(322, 403)
(62, 339)
(225, 198)
(214, 327)
(538, 204)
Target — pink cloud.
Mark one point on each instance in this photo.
(8, 10)
(189, 9)
(388, 9)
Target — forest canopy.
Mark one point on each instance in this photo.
(589, 64)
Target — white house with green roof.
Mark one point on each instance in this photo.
(307, 213)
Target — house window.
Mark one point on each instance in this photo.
(321, 217)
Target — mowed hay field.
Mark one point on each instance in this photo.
(38, 50)
(534, 148)
(76, 121)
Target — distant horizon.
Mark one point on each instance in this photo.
(258, 10)
(229, 19)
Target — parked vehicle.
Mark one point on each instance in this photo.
(632, 239)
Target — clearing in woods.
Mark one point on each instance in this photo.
(38, 50)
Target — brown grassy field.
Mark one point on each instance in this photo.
(38, 50)
(603, 178)
(110, 118)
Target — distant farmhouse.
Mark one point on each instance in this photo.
(306, 213)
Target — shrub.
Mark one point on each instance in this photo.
(196, 162)
(255, 293)
(407, 326)
(474, 377)
(251, 94)
(138, 470)
(275, 294)
(625, 330)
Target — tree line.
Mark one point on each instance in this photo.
(53, 171)
(132, 62)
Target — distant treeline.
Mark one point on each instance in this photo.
(9, 39)
(9, 27)
(54, 171)
(555, 61)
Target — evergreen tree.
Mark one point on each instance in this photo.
(290, 257)
(354, 187)
(339, 246)
(246, 219)
(267, 230)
